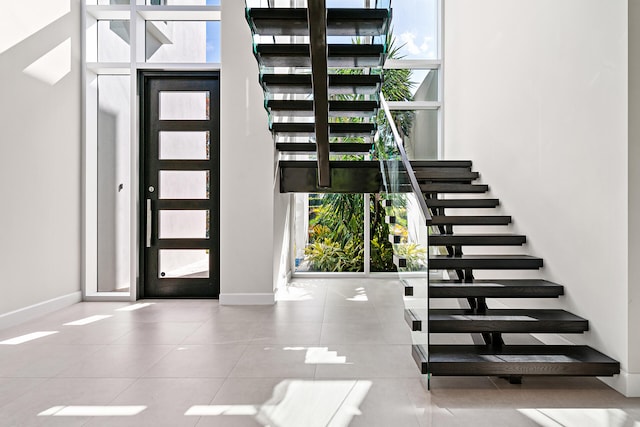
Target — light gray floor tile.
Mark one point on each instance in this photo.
(159, 333)
(351, 333)
(264, 361)
(273, 365)
(291, 334)
(117, 361)
(370, 361)
(57, 392)
(216, 332)
(198, 361)
(166, 401)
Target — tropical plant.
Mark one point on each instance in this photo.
(336, 236)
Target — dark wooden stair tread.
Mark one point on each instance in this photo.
(440, 163)
(334, 147)
(520, 288)
(462, 203)
(445, 174)
(517, 360)
(340, 21)
(470, 220)
(485, 262)
(335, 129)
(337, 108)
(338, 55)
(453, 188)
(476, 239)
(339, 84)
(459, 320)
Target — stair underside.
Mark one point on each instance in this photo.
(339, 84)
(523, 288)
(339, 55)
(503, 320)
(297, 176)
(484, 262)
(340, 21)
(477, 239)
(514, 360)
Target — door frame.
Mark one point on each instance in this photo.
(214, 178)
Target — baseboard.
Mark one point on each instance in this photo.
(247, 299)
(25, 314)
(625, 383)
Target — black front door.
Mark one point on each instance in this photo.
(179, 180)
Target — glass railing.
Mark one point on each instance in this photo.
(408, 219)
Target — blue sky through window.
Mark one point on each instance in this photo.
(213, 36)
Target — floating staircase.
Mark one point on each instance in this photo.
(322, 97)
(492, 354)
(320, 69)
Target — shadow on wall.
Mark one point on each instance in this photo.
(50, 25)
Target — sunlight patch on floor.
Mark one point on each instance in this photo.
(580, 417)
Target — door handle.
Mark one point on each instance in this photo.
(149, 224)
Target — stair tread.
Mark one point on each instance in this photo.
(454, 320)
(476, 239)
(340, 21)
(460, 320)
(362, 84)
(338, 55)
(453, 188)
(515, 360)
(304, 108)
(485, 262)
(518, 288)
(445, 174)
(334, 147)
(462, 203)
(335, 129)
(471, 220)
(440, 163)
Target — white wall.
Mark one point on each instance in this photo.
(536, 96)
(40, 152)
(634, 188)
(246, 170)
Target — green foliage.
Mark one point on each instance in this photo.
(336, 228)
(415, 255)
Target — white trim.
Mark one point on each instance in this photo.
(25, 314)
(179, 13)
(109, 12)
(417, 64)
(625, 383)
(413, 105)
(248, 299)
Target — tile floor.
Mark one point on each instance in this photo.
(331, 352)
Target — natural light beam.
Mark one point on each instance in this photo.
(88, 320)
(214, 410)
(135, 306)
(320, 356)
(579, 417)
(332, 403)
(28, 337)
(92, 411)
(51, 67)
(22, 19)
